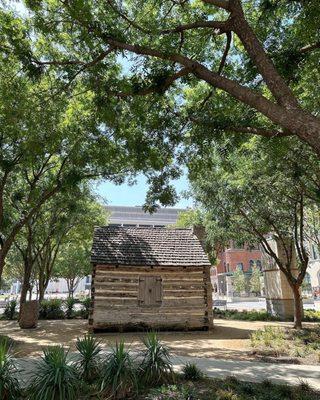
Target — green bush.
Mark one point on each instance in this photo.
(252, 315)
(9, 385)
(70, 303)
(86, 305)
(51, 309)
(156, 367)
(118, 374)
(10, 311)
(311, 316)
(89, 362)
(191, 372)
(270, 338)
(55, 377)
(172, 392)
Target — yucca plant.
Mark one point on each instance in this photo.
(156, 367)
(89, 361)
(70, 302)
(55, 378)
(118, 377)
(9, 385)
(191, 372)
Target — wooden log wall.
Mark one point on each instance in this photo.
(186, 299)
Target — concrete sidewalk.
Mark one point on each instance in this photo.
(244, 370)
(254, 371)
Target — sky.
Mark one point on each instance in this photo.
(125, 195)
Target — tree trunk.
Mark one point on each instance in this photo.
(298, 307)
(26, 281)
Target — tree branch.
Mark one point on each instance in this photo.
(310, 47)
(225, 53)
(222, 26)
(158, 88)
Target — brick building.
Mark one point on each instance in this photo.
(236, 256)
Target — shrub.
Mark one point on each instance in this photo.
(9, 385)
(269, 338)
(226, 394)
(10, 310)
(118, 375)
(156, 366)
(191, 372)
(51, 309)
(55, 377)
(251, 315)
(89, 362)
(172, 392)
(311, 316)
(70, 302)
(86, 305)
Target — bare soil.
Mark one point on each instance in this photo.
(228, 340)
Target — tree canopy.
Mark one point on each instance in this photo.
(165, 69)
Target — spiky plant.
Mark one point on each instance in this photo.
(118, 377)
(89, 361)
(156, 366)
(55, 378)
(191, 372)
(70, 303)
(9, 385)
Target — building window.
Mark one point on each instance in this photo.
(150, 291)
(240, 266)
(251, 265)
(259, 265)
(228, 268)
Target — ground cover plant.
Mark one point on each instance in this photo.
(261, 315)
(230, 389)
(277, 341)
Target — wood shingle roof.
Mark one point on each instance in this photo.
(116, 245)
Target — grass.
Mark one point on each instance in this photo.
(276, 341)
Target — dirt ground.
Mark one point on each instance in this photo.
(228, 340)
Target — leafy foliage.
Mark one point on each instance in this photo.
(51, 309)
(118, 374)
(191, 372)
(156, 367)
(9, 384)
(70, 303)
(10, 311)
(89, 363)
(55, 377)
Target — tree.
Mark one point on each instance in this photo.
(255, 280)
(239, 281)
(73, 264)
(68, 217)
(194, 62)
(51, 143)
(260, 188)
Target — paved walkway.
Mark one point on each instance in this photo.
(244, 370)
(255, 371)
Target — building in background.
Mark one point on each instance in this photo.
(230, 259)
(136, 216)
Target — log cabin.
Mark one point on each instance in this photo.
(149, 278)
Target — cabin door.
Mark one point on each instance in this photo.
(150, 291)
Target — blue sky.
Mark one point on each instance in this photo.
(125, 195)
